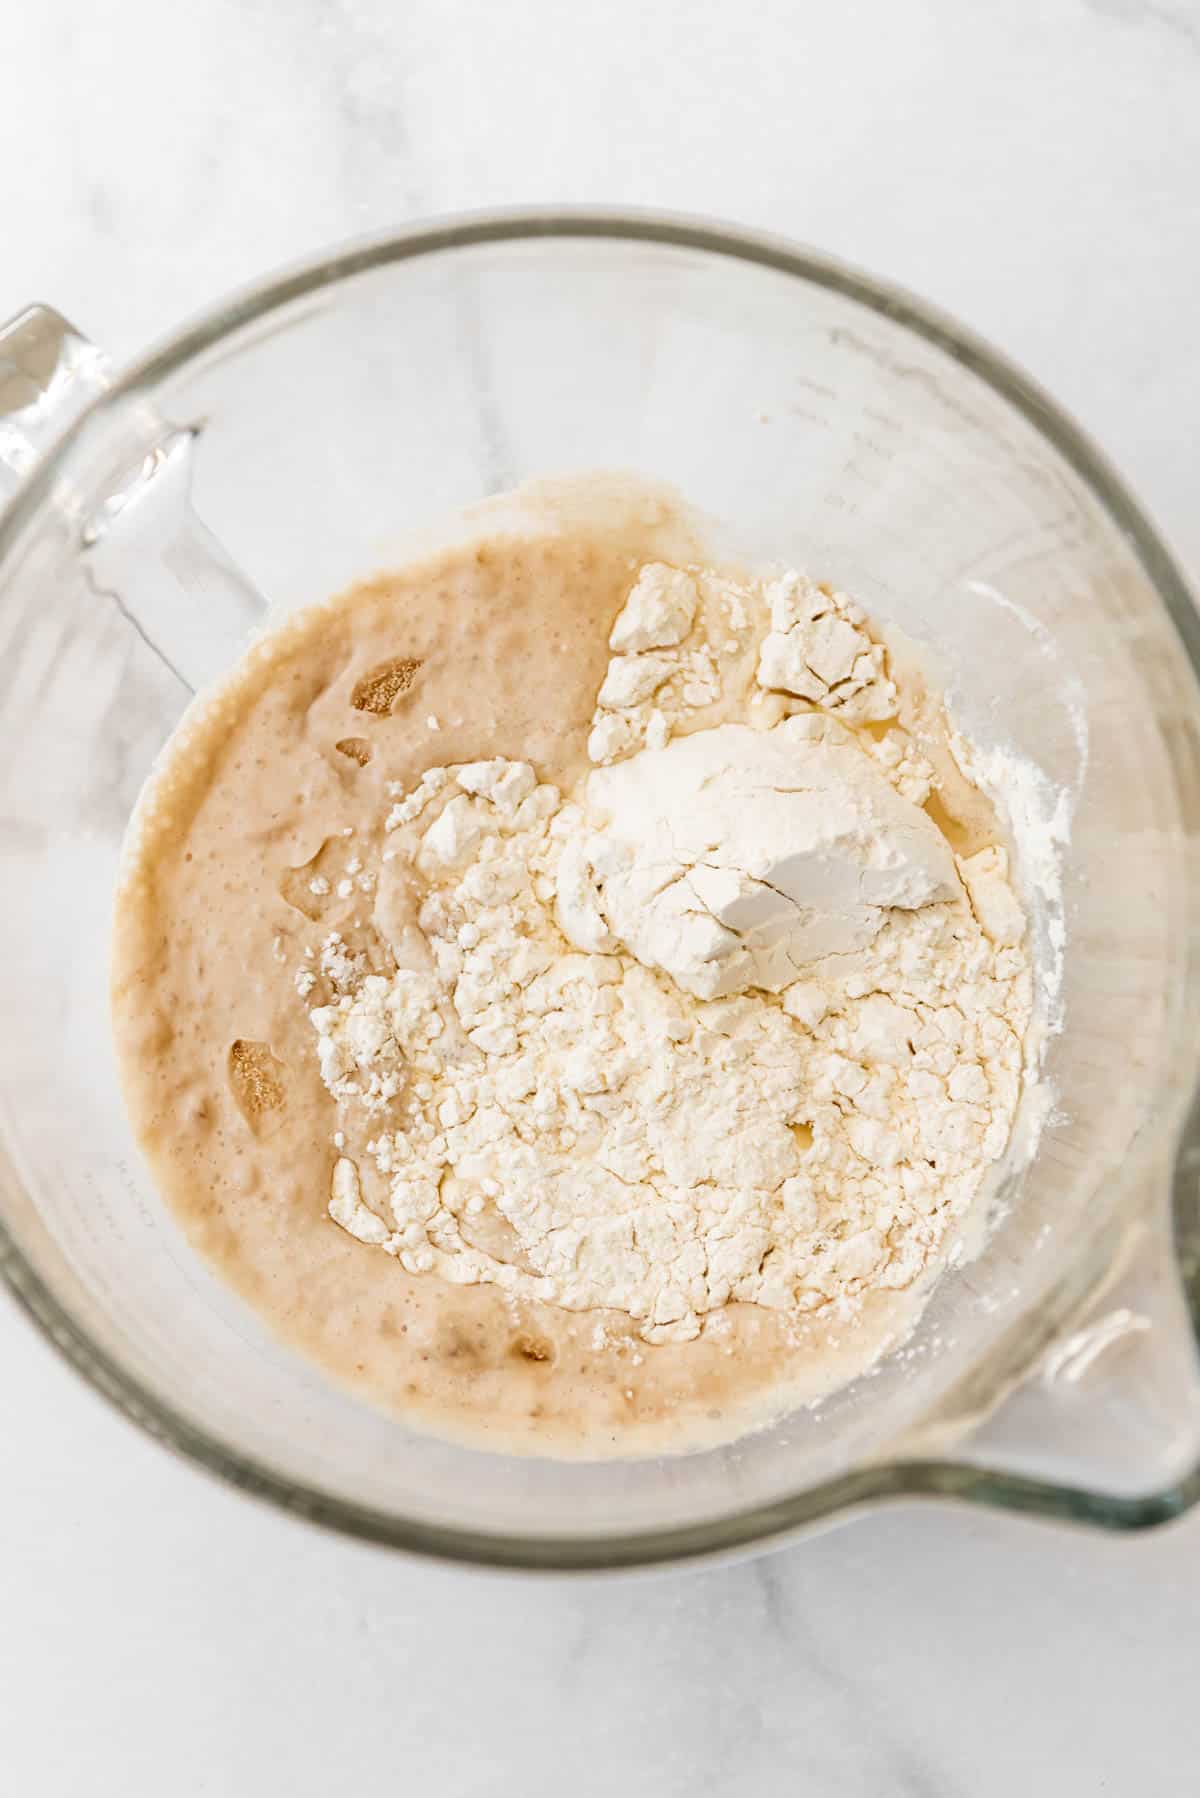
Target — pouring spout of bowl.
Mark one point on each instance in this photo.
(1102, 1426)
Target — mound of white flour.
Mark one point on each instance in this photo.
(730, 1022)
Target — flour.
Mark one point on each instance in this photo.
(659, 612)
(666, 661)
(818, 650)
(733, 857)
(728, 1022)
(1039, 817)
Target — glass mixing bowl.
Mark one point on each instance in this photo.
(288, 443)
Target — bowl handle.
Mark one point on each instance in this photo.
(141, 542)
(48, 374)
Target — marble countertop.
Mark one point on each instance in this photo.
(1031, 168)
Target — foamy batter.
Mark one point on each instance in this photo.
(263, 834)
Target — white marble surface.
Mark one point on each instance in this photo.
(1032, 167)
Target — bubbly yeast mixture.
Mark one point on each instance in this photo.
(237, 868)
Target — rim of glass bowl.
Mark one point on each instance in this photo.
(756, 1524)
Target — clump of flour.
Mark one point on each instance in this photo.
(728, 1022)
